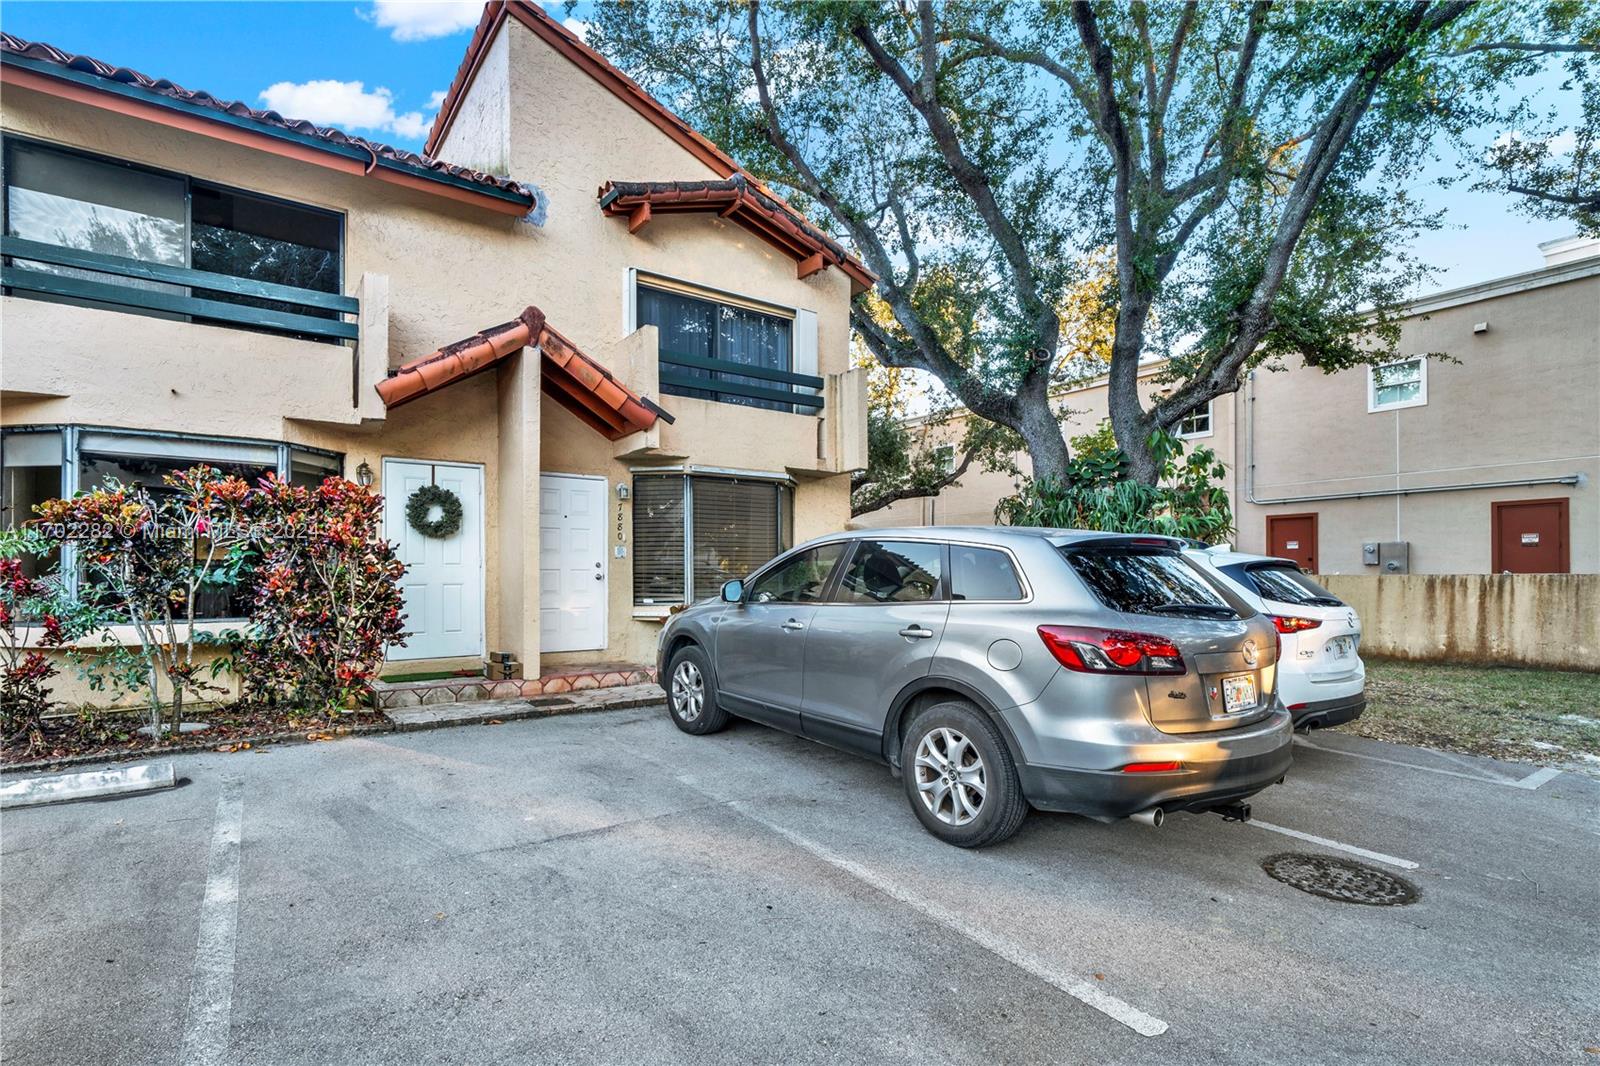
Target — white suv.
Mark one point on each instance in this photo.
(1321, 678)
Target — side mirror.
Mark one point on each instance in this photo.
(732, 591)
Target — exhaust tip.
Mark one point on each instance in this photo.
(1154, 817)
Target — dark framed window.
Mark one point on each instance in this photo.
(1147, 581)
(1282, 582)
(709, 330)
(893, 571)
(801, 579)
(691, 533)
(104, 207)
(982, 574)
(38, 463)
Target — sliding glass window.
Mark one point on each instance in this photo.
(725, 333)
(102, 207)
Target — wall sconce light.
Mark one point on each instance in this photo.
(622, 491)
(364, 475)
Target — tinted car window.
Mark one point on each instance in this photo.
(1147, 581)
(800, 580)
(1285, 584)
(982, 574)
(892, 572)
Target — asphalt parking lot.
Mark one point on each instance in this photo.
(605, 889)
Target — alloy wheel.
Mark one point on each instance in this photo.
(950, 776)
(688, 691)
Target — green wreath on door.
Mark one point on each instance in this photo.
(422, 503)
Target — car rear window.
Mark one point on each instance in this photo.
(1284, 583)
(982, 574)
(1147, 581)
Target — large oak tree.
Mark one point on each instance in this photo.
(1247, 165)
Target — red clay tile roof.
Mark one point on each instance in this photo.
(592, 63)
(740, 200)
(23, 58)
(574, 380)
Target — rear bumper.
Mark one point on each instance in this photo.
(1212, 774)
(1325, 713)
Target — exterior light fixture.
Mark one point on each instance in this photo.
(364, 475)
(622, 491)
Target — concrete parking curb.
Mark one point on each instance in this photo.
(445, 715)
(92, 784)
(405, 720)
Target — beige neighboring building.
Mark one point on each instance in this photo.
(1483, 462)
(627, 359)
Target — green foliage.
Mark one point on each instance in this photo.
(326, 602)
(146, 556)
(1251, 167)
(1098, 494)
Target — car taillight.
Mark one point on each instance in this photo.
(1288, 624)
(1111, 651)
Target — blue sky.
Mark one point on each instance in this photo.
(376, 67)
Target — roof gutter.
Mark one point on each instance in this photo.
(1362, 494)
(94, 91)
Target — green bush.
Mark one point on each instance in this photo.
(1097, 493)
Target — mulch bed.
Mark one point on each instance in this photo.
(69, 739)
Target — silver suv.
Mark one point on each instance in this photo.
(994, 668)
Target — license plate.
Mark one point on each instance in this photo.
(1238, 693)
(1341, 647)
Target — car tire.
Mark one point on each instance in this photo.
(692, 694)
(941, 793)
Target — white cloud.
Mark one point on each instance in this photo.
(423, 20)
(436, 101)
(577, 27)
(349, 105)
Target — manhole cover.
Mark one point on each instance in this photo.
(1340, 879)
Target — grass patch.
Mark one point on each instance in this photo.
(1501, 712)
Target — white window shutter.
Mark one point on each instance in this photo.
(630, 300)
(805, 342)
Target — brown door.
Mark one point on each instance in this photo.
(1530, 537)
(1293, 536)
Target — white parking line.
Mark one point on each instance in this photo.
(1375, 856)
(1529, 783)
(210, 1018)
(1083, 991)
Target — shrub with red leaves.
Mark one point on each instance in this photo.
(326, 597)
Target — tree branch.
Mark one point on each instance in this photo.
(923, 97)
(913, 492)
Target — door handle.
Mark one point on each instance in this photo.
(916, 631)
(793, 624)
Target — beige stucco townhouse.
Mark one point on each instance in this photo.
(627, 359)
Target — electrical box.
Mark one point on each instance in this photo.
(1394, 557)
(1369, 553)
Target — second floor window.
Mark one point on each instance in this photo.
(102, 207)
(704, 335)
(1396, 385)
(1196, 423)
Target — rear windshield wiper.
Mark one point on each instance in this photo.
(1214, 609)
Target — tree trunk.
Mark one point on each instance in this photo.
(1047, 448)
(1129, 422)
(177, 708)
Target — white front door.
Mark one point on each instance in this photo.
(444, 575)
(572, 562)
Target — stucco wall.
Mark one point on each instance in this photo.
(1520, 400)
(1547, 620)
(452, 270)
